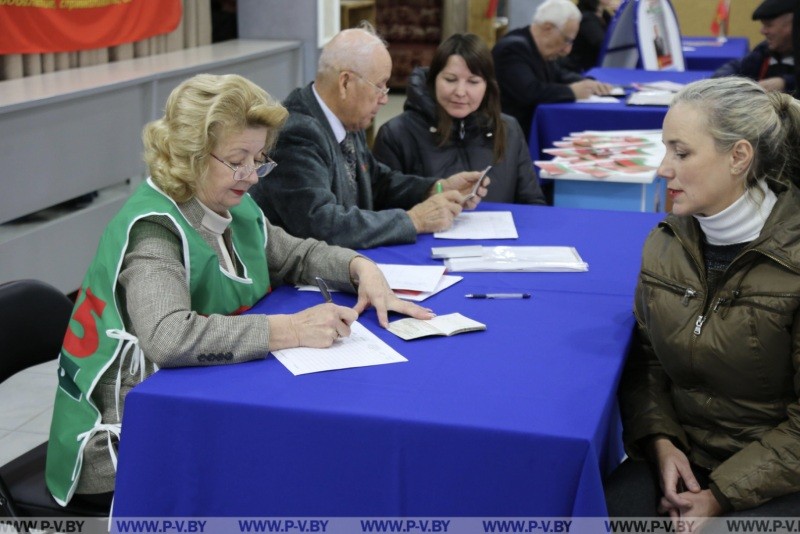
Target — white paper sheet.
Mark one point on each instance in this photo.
(423, 278)
(413, 295)
(481, 225)
(597, 99)
(664, 85)
(361, 349)
(650, 98)
(412, 277)
(445, 281)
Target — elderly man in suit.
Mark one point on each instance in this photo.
(327, 185)
(526, 67)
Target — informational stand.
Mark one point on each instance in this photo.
(644, 34)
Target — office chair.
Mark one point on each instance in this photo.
(33, 319)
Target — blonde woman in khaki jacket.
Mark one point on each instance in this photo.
(709, 395)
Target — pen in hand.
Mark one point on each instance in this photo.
(474, 192)
(323, 287)
(498, 295)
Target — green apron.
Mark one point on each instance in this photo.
(96, 336)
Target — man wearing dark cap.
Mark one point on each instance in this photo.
(771, 63)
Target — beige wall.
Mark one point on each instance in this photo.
(695, 16)
(467, 16)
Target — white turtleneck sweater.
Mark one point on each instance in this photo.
(742, 221)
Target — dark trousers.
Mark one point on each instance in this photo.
(633, 490)
(94, 499)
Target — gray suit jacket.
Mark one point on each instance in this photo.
(309, 193)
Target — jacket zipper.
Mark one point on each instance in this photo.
(461, 146)
(698, 325)
(701, 319)
(776, 260)
(688, 292)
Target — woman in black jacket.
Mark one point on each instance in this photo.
(452, 122)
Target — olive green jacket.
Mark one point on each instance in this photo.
(719, 374)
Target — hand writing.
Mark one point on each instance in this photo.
(436, 213)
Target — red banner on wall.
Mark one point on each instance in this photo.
(38, 26)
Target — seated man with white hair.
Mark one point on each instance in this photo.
(525, 65)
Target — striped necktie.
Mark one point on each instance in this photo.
(350, 160)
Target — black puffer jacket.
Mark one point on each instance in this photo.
(409, 143)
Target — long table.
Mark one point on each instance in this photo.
(708, 53)
(519, 420)
(551, 122)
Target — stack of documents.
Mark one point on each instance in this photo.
(513, 259)
(417, 282)
(615, 156)
(654, 93)
(666, 85)
(616, 91)
(650, 98)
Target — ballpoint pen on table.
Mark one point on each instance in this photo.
(323, 287)
(498, 295)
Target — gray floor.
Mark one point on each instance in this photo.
(26, 399)
(27, 407)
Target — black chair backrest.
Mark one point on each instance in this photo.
(33, 320)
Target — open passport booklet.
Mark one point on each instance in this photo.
(442, 325)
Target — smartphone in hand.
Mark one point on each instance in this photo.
(478, 183)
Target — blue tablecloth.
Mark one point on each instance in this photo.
(519, 420)
(706, 53)
(551, 122)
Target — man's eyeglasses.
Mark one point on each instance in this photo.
(241, 172)
(568, 41)
(382, 90)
